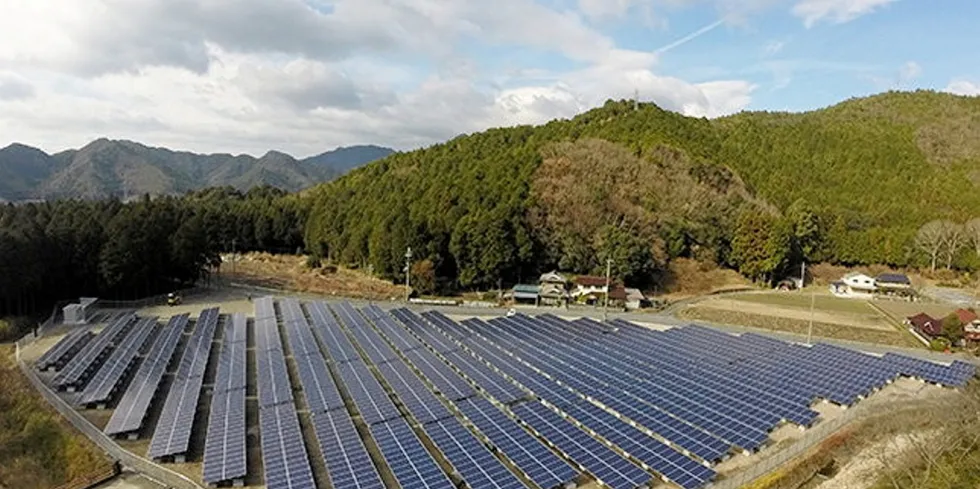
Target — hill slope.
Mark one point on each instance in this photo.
(118, 168)
(865, 174)
(342, 160)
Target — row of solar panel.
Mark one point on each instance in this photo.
(132, 408)
(64, 350)
(224, 444)
(107, 378)
(284, 457)
(76, 372)
(348, 464)
(172, 434)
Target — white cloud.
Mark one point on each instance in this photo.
(836, 11)
(963, 87)
(909, 72)
(773, 48)
(232, 76)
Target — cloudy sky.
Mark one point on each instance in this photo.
(304, 76)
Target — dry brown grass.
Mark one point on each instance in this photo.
(291, 273)
(689, 278)
(820, 329)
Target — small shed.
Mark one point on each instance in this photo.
(79, 313)
(526, 293)
(634, 298)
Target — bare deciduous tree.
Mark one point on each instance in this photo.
(953, 238)
(930, 240)
(972, 231)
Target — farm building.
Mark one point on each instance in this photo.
(926, 325)
(525, 293)
(552, 289)
(894, 284)
(854, 285)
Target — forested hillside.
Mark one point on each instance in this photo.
(850, 184)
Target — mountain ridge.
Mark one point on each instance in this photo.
(117, 168)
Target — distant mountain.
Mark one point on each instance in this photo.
(347, 158)
(106, 168)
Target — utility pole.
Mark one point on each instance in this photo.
(809, 331)
(234, 255)
(605, 305)
(408, 274)
(802, 275)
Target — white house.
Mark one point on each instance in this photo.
(589, 286)
(854, 285)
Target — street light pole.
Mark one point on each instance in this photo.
(408, 274)
(809, 331)
(605, 305)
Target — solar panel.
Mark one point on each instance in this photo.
(348, 464)
(410, 463)
(371, 342)
(318, 386)
(131, 410)
(272, 377)
(604, 464)
(173, 431)
(284, 457)
(397, 335)
(532, 457)
(478, 467)
(264, 308)
(485, 377)
(301, 339)
(413, 393)
(655, 455)
(231, 361)
(426, 332)
(224, 445)
(64, 350)
(103, 384)
(76, 372)
(371, 399)
(448, 382)
(684, 401)
(325, 325)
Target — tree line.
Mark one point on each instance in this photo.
(63, 249)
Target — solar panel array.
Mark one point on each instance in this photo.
(64, 350)
(77, 371)
(478, 372)
(103, 384)
(531, 456)
(601, 461)
(348, 464)
(173, 430)
(284, 456)
(325, 325)
(411, 464)
(224, 444)
(132, 408)
(474, 462)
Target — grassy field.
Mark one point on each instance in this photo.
(38, 449)
(822, 301)
(820, 329)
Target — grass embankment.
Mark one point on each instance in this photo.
(933, 444)
(38, 449)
